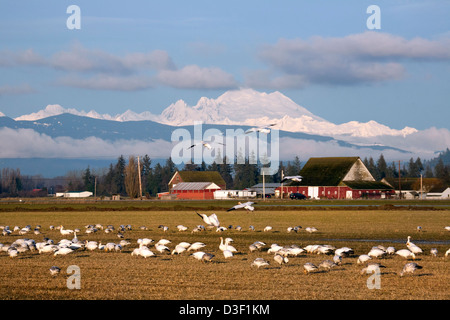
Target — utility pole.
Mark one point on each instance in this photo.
(139, 175)
(95, 188)
(399, 185)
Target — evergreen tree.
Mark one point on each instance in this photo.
(132, 178)
(88, 180)
(119, 175)
(382, 170)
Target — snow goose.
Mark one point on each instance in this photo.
(405, 253)
(164, 228)
(327, 264)
(163, 242)
(280, 259)
(54, 270)
(180, 227)
(274, 248)
(63, 251)
(447, 252)
(292, 178)
(91, 245)
(211, 220)
(65, 232)
(263, 129)
(178, 249)
(145, 252)
(207, 257)
(311, 229)
(221, 229)
(227, 254)
(12, 252)
(447, 228)
(309, 267)
(390, 250)
(161, 248)
(259, 262)
(248, 206)
(198, 255)
(344, 251)
(372, 267)
(196, 246)
(363, 258)
(267, 228)
(376, 253)
(414, 249)
(434, 252)
(337, 259)
(410, 267)
(110, 246)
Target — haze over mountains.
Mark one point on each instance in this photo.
(68, 133)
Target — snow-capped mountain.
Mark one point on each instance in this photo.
(241, 107)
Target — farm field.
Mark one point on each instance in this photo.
(122, 276)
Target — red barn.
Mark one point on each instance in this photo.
(195, 190)
(338, 178)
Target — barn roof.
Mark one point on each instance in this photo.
(327, 171)
(201, 176)
(194, 186)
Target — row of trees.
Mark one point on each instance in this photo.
(138, 175)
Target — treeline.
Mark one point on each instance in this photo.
(414, 168)
(138, 175)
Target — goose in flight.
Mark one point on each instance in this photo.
(263, 129)
(292, 178)
(246, 205)
(211, 220)
(207, 144)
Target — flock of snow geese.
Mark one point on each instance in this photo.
(145, 247)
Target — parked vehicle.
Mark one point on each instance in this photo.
(298, 196)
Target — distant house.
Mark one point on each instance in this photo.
(337, 178)
(268, 188)
(197, 176)
(75, 194)
(439, 193)
(234, 194)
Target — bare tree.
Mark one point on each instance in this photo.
(132, 178)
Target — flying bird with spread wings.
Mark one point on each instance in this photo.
(247, 206)
(211, 220)
(264, 129)
(292, 178)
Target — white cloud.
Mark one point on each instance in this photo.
(368, 57)
(195, 77)
(27, 143)
(15, 90)
(108, 82)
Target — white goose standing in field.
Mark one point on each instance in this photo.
(178, 249)
(259, 262)
(413, 247)
(405, 253)
(63, 251)
(227, 254)
(196, 246)
(363, 258)
(65, 232)
(280, 259)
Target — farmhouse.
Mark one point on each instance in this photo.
(337, 178)
(195, 185)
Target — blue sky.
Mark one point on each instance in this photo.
(145, 55)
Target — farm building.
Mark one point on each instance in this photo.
(197, 176)
(75, 194)
(267, 188)
(196, 185)
(194, 190)
(337, 178)
(234, 194)
(412, 188)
